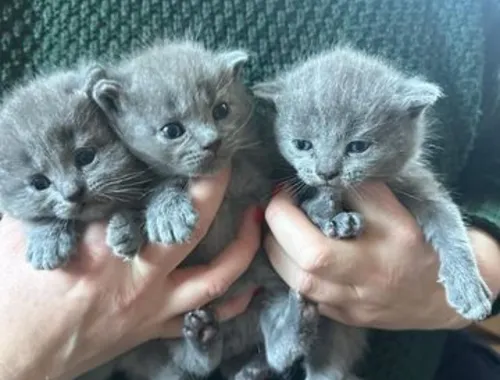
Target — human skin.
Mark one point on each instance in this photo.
(59, 324)
(386, 278)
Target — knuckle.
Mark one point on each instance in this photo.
(216, 289)
(314, 259)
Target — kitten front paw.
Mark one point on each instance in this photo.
(344, 225)
(468, 294)
(171, 221)
(124, 235)
(50, 250)
(200, 327)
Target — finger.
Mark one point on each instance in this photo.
(300, 238)
(234, 306)
(172, 328)
(338, 314)
(376, 199)
(313, 286)
(207, 194)
(196, 286)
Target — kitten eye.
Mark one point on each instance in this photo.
(220, 111)
(303, 144)
(173, 130)
(40, 182)
(84, 156)
(356, 147)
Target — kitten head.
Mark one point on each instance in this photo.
(345, 117)
(179, 107)
(58, 156)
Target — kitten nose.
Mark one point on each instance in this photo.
(74, 194)
(213, 145)
(328, 176)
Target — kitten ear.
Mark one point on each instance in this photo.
(418, 95)
(234, 61)
(107, 93)
(268, 90)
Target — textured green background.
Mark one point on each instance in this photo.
(441, 39)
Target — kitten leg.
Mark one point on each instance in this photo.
(289, 324)
(170, 216)
(443, 227)
(51, 244)
(335, 352)
(124, 234)
(324, 210)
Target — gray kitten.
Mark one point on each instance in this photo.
(185, 111)
(344, 118)
(61, 164)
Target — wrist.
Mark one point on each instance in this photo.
(487, 251)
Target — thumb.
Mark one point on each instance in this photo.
(375, 200)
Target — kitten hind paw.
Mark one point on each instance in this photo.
(201, 327)
(344, 225)
(254, 371)
(50, 252)
(123, 235)
(172, 221)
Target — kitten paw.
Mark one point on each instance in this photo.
(254, 371)
(344, 225)
(201, 327)
(172, 221)
(50, 252)
(124, 235)
(468, 295)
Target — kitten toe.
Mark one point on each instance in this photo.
(344, 225)
(201, 327)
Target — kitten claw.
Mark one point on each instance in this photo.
(200, 327)
(171, 221)
(344, 225)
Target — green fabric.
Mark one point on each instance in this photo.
(443, 40)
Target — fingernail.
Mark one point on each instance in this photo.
(277, 189)
(258, 215)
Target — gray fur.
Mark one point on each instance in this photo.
(182, 82)
(361, 120)
(45, 124)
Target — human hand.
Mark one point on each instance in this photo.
(61, 323)
(386, 278)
